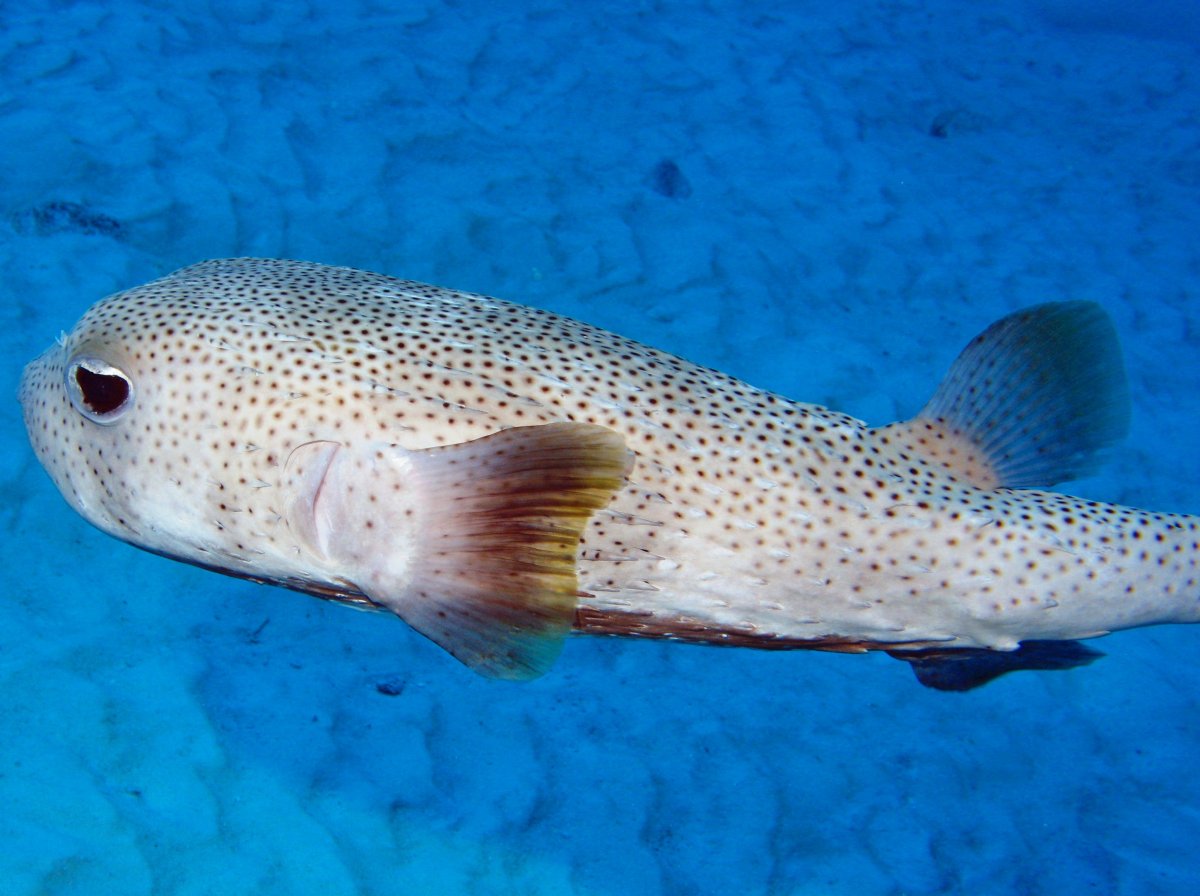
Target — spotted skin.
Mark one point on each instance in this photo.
(746, 518)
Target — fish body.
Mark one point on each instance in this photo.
(498, 475)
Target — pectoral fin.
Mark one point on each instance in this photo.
(474, 545)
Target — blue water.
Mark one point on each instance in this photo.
(827, 199)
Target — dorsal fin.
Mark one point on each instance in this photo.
(474, 544)
(1032, 401)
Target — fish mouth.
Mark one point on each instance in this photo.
(50, 426)
(25, 390)
(36, 378)
(23, 385)
(40, 393)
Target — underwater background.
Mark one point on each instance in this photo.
(826, 199)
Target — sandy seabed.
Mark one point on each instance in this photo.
(827, 200)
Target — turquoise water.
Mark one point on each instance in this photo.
(827, 200)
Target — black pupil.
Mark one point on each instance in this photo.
(103, 393)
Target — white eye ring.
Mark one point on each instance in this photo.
(99, 391)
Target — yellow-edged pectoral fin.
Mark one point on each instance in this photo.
(474, 545)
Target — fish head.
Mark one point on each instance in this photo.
(233, 415)
(115, 410)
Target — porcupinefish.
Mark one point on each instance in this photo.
(499, 476)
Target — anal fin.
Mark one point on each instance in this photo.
(966, 668)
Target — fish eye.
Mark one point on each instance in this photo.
(99, 391)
